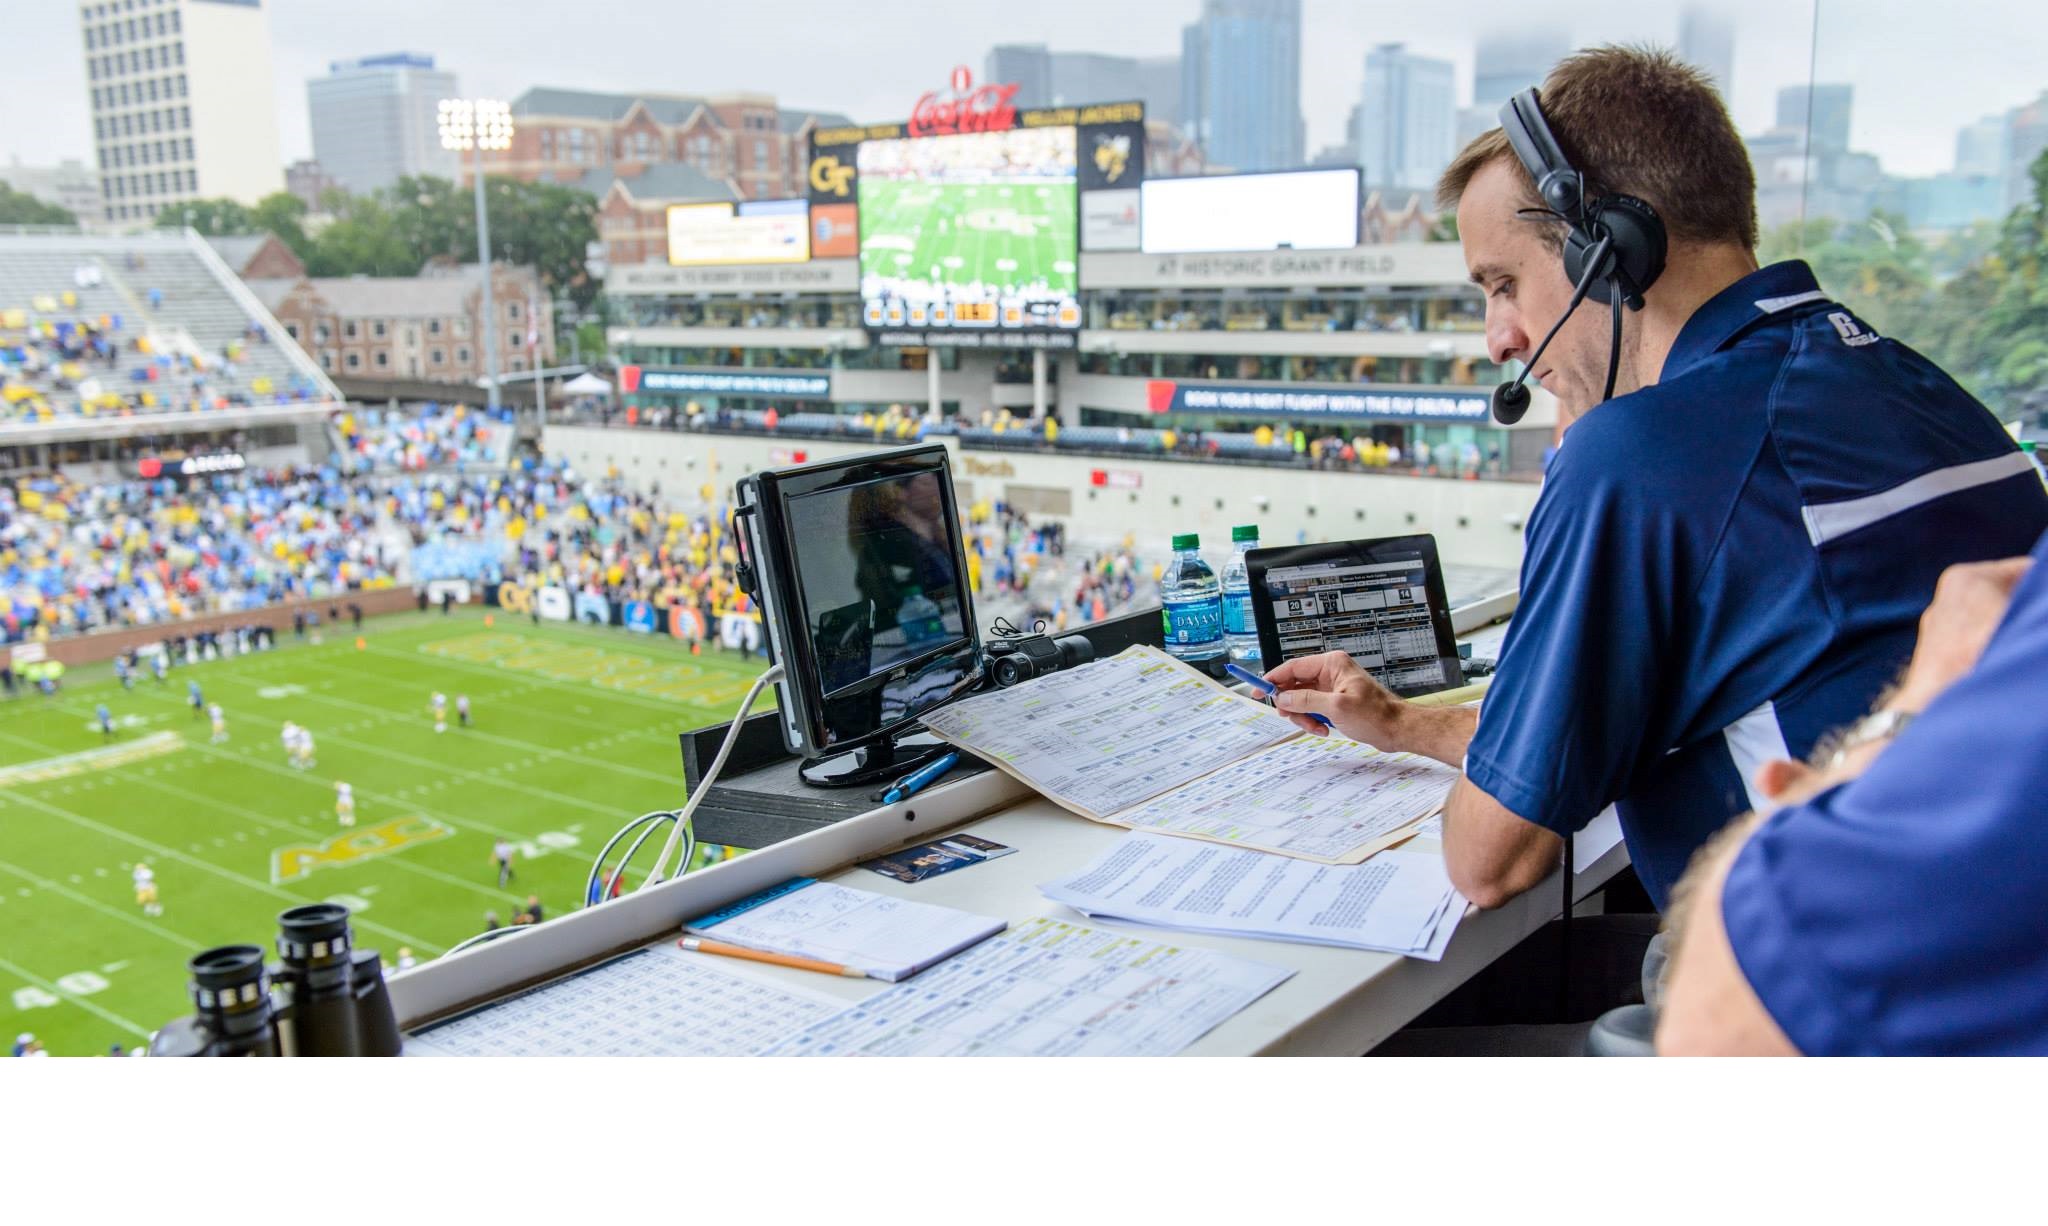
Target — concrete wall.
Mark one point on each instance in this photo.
(1477, 523)
(93, 647)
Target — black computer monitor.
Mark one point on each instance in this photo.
(861, 574)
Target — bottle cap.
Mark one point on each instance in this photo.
(1187, 540)
(1245, 532)
(2027, 445)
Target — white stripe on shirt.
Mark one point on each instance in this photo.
(1771, 306)
(1829, 521)
(1752, 741)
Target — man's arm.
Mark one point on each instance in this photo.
(1492, 854)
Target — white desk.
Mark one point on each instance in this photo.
(1339, 1002)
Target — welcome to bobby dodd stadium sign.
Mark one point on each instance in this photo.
(724, 383)
(1262, 400)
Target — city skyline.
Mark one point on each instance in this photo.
(1911, 137)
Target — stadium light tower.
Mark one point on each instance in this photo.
(480, 124)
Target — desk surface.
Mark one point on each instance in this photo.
(1338, 1002)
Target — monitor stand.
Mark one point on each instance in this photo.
(885, 761)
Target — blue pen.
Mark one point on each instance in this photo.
(917, 780)
(1267, 689)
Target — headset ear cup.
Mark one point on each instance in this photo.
(1640, 244)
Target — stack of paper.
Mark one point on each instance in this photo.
(1047, 989)
(1398, 902)
(889, 938)
(1141, 740)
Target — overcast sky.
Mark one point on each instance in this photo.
(1921, 69)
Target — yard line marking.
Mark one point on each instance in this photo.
(117, 833)
(190, 945)
(104, 1014)
(309, 833)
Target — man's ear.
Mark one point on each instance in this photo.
(1778, 777)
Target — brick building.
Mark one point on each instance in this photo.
(257, 256)
(632, 214)
(426, 327)
(747, 140)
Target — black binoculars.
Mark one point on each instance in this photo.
(324, 997)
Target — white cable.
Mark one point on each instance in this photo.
(683, 827)
(597, 865)
(619, 874)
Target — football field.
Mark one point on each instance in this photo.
(960, 233)
(574, 734)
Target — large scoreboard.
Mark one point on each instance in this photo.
(968, 217)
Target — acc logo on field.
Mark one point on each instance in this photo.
(831, 176)
(292, 863)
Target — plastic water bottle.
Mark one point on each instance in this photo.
(1192, 603)
(1240, 631)
(2032, 453)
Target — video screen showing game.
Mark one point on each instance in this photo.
(975, 231)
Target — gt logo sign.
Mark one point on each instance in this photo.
(293, 863)
(831, 176)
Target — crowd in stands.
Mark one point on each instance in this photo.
(76, 559)
(59, 365)
(421, 436)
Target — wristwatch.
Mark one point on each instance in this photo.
(1876, 726)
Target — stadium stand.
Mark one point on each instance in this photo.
(420, 437)
(137, 324)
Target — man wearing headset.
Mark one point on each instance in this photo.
(1728, 560)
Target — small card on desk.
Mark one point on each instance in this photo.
(889, 938)
(914, 864)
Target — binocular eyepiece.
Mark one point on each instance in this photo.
(324, 998)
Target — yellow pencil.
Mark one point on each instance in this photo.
(702, 946)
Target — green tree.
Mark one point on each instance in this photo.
(284, 215)
(213, 217)
(364, 240)
(22, 209)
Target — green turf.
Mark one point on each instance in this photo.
(1031, 226)
(575, 734)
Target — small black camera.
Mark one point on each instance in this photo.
(1021, 657)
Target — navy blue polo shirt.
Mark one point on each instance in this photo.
(1726, 565)
(1902, 913)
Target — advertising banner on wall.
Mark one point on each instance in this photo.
(750, 232)
(554, 603)
(593, 609)
(639, 617)
(453, 589)
(1361, 404)
(686, 622)
(1109, 220)
(726, 383)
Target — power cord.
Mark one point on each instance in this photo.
(591, 896)
(684, 829)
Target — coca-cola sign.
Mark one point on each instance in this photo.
(989, 108)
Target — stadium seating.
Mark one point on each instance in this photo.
(183, 334)
(421, 437)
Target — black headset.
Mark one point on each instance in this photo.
(1614, 246)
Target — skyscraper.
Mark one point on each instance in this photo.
(1827, 106)
(181, 103)
(1027, 64)
(1076, 78)
(1504, 65)
(1984, 148)
(1706, 40)
(1406, 119)
(374, 120)
(1241, 83)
